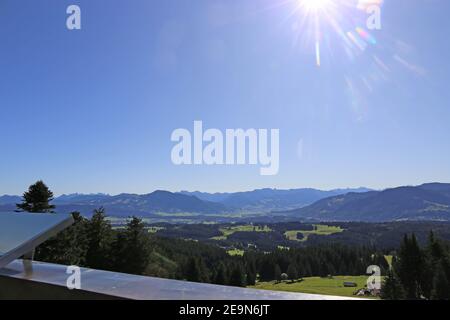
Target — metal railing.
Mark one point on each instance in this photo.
(24, 279)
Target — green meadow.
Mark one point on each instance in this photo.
(316, 285)
(319, 229)
(226, 232)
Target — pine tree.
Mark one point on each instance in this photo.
(192, 270)
(37, 199)
(435, 247)
(410, 267)
(392, 288)
(132, 248)
(441, 285)
(221, 276)
(277, 273)
(100, 237)
(292, 272)
(251, 270)
(251, 278)
(195, 270)
(306, 270)
(266, 272)
(237, 277)
(323, 269)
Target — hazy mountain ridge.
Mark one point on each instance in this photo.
(260, 201)
(429, 201)
(128, 204)
(425, 202)
(7, 199)
(271, 199)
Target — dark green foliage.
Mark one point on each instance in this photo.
(435, 248)
(237, 276)
(292, 272)
(221, 275)
(100, 240)
(131, 248)
(37, 199)
(441, 285)
(392, 288)
(68, 247)
(251, 278)
(251, 269)
(410, 268)
(277, 273)
(195, 270)
(266, 269)
(383, 236)
(420, 273)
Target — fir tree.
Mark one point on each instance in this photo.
(392, 288)
(277, 273)
(409, 267)
(221, 276)
(251, 278)
(441, 285)
(195, 270)
(132, 248)
(100, 237)
(292, 272)
(37, 199)
(237, 277)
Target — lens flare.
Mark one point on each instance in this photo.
(315, 5)
(338, 36)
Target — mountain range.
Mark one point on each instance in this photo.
(425, 202)
(256, 201)
(126, 204)
(265, 200)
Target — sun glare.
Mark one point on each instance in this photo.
(315, 5)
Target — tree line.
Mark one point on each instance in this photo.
(419, 273)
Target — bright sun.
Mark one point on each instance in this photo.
(314, 5)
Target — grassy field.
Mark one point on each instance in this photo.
(154, 229)
(316, 285)
(243, 228)
(235, 252)
(320, 229)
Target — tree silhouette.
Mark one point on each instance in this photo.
(441, 285)
(37, 199)
(292, 272)
(392, 288)
(277, 273)
(221, 276)
(131, 248)
(100, 237)
(237, 277)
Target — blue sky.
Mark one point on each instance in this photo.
(92, 110)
